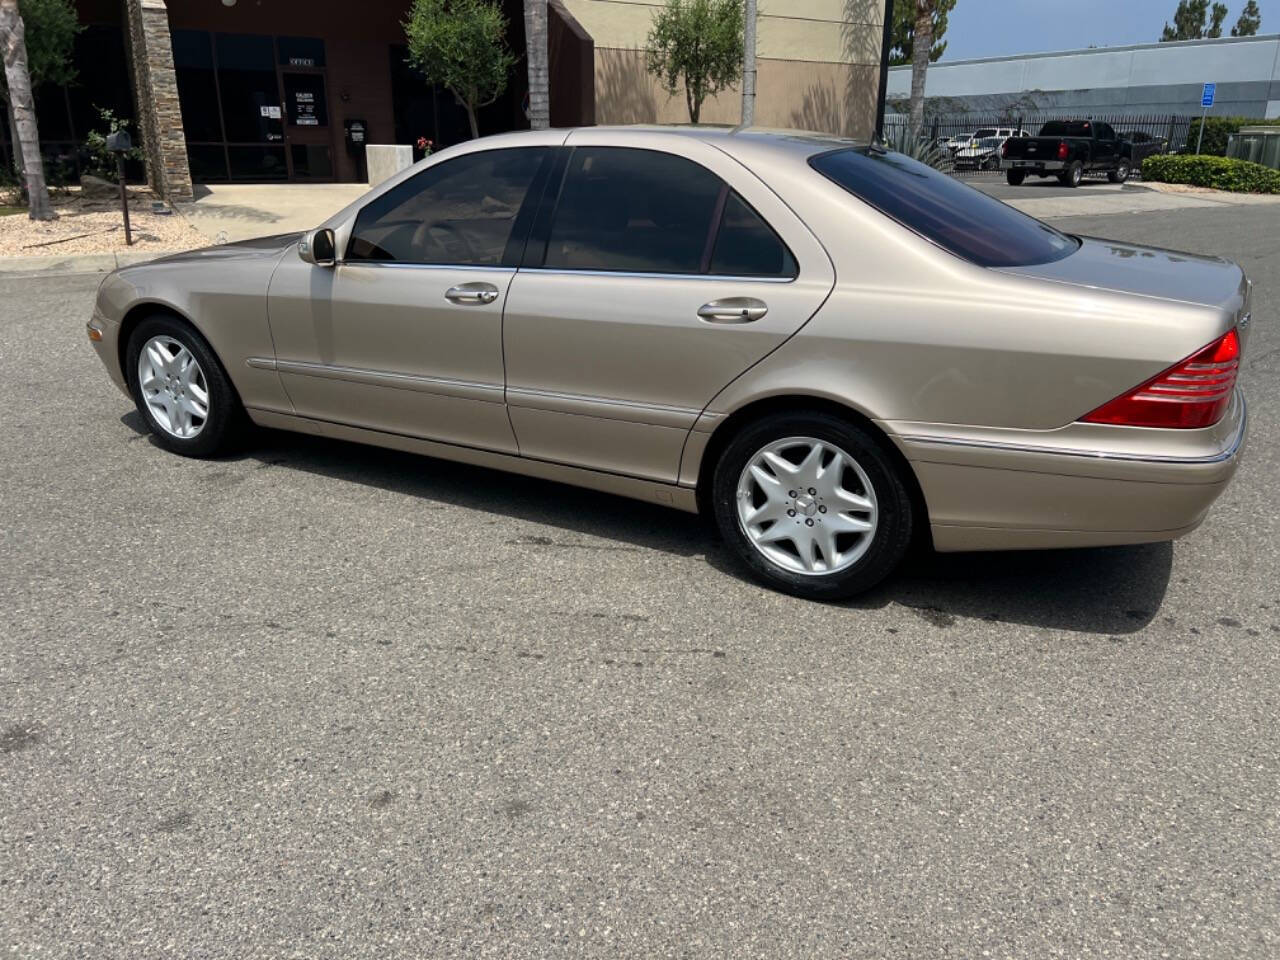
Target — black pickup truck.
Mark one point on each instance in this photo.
(1068, 149)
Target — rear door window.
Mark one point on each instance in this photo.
(643, 211)
(956, 217)
(632, 210)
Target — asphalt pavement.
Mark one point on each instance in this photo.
(320, 700)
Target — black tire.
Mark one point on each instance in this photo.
(222, 426)
(1072, 175)
(1121, 173)
(1015, 177)
(991, 163)
(894, 506)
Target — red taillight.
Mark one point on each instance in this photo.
(1062, 149)
(1193, 393)
(1004, 149)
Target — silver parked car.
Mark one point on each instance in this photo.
(832, 349)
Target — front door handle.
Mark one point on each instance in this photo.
(478, 292)
(733, 310)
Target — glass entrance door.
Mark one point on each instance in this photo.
(308, 133)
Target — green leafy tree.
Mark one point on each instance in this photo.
(1189, 21)
(1249, 22)
(902, 44)
(697, 43)
(461, 45)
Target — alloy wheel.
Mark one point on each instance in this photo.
(807, 506)
(173, 387)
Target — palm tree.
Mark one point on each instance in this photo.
(13, 44)
(923, 44)
(535, 41)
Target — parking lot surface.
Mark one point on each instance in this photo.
(321, 700)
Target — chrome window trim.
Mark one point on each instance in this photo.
(426, 266)
(641, 275)
(1222, 456)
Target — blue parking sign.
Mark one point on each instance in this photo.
(1206, 98)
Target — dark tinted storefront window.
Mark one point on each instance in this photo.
(956, 217)
(208, 162)
(197, 89)
(247, 81)
(257, 163)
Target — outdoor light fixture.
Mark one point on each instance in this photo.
(228, 3)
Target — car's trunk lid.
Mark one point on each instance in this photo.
(1148, 272)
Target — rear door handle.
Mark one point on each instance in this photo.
(477, 292)
(733, 310)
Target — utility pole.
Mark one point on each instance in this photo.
(749, 65)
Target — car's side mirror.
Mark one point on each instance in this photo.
(318, 247)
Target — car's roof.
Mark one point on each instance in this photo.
(736, 141)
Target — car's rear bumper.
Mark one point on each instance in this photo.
(987, 490)
(1037, 166)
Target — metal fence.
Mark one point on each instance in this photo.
(1149, 134)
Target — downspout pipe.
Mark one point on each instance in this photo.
(884, 69)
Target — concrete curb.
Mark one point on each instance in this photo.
(83, 263)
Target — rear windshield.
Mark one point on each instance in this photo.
(957, 218)
(1066, 128)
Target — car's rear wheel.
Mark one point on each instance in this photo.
(1072, 175)
(812, 505)
(180, 388)
(1015, 177)
(1120, 174)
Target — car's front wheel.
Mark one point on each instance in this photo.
(813, 505)
(180, 388)
(1120, 174)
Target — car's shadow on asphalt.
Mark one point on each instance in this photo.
(1114, 590)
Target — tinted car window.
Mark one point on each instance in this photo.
(633, 210)
(460, 212)
(746, 246)
(958, 218)
(1104, 131)
(1066, 128)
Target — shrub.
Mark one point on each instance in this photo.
(1216, 132)
(1221, 173)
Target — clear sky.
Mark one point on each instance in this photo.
(998, 28)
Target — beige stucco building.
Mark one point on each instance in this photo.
(818, 65)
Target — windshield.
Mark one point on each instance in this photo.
(1066, 128)
(984, 133)
(956, 217)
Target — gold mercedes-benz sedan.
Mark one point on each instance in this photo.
(829, 347)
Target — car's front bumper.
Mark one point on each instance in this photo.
(1086, 485)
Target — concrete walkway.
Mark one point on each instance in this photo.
(225, 213)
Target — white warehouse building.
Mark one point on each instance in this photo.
(1151, 78)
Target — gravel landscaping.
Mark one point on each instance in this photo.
(94, 224)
